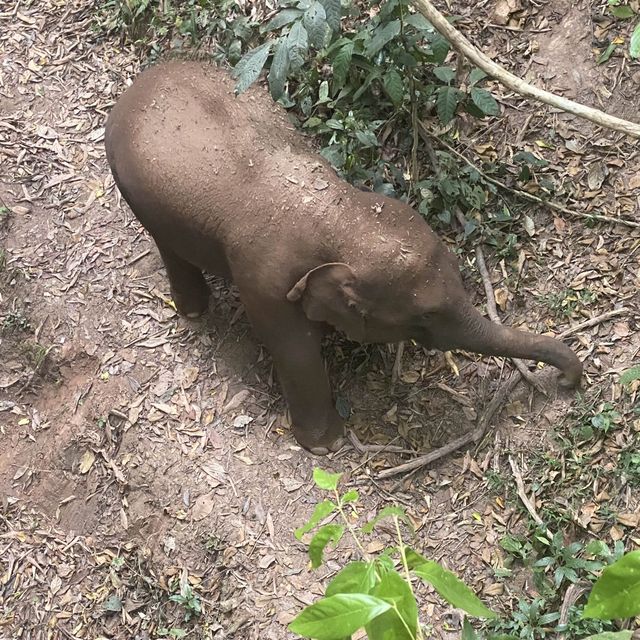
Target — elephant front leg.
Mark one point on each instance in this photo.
(295, 346)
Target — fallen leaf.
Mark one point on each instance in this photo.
(88, 458)
(202, 507)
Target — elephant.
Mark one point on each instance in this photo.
(225, 184)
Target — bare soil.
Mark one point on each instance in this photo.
(138, 449)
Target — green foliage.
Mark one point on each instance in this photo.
(374, 593)
(187, 598)
(617, 592)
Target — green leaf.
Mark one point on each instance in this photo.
(333, 11)
(419, 22)
(315, 22)
(279, 69)
(381, 36)
(350, 496)
(356, 577)
(616, 593)
(322, 510)
(285, 17)
(634, 45)
(447, 103)
(476, 75)
(387, 512)
(630, 375)
(325, 535)
(341, 64)
(394, 86)
(439, 49)
(448, 585)
(326, 480)
(606, 54)
(485, 102)
(298, 44)
(612, 635)
(468, 632)
(401, 621)
(338, 616)
(623, 12)
(249, 67)
(445, 74)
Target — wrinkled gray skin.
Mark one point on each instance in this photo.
(225, 185)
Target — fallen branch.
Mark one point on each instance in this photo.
(461, 44)
(474, 436)
(424, 131)
(522, 494)
(592, 322)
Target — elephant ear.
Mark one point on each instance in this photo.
(329, 294)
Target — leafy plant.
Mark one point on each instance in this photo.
(373, 593)
(187, 598)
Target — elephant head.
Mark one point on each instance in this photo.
(423, 302)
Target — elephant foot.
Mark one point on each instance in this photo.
(193, 305)
(323, 451)
(321, 443)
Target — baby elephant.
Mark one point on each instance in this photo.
(224, 184)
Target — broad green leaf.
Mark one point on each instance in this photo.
(623, 12)
(350, 496)
(249, 67)
(394, 86)
(298, 44)
(285, 17)
(485, 102)
(338, 616)
(447, 103)
(445, 74)
(476, 75)
(448, 585)
(634, 46)
(356, 577)
(387, 512)
(401, 621)
(333, 11)
(341, 64)
(315, 22)
(381, 36)
(279, 69)
(630, 375)
(612, 635)
(418, 21)
(326, 480)
(616, 593)
(607, 53)
(439, 49)
(325, 535)
(468, 632)
(322, 510)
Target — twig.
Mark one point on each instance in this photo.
(463, 46)
(493, 314)
(397, 365)
(474, 436)
(360, 447)
(522, 494)
(592, 322)
(424, 131)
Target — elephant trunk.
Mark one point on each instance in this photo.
(483, 336)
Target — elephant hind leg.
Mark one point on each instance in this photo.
(188, 287)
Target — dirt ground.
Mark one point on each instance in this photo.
(138, 449)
